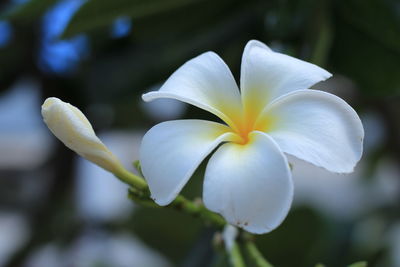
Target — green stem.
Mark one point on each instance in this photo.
(181, 203)
(255, 255)
(139, 192)
(323, 33)
(235, 256)
(197, 210)
(131, 179)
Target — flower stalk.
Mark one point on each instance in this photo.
(142, 196)
(197, 209)
(131, 179)
(235, 256)
(255, 255)
(194, 208)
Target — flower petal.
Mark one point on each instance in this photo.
(317, 127)
(171, 151)
(250, 185)
(205, 82)
(266, 75)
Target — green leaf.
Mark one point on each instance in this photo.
(359, 264)
(29, 11)
(98, 13)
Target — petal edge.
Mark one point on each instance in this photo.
(317, 127)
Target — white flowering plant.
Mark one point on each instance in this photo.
(247, 182)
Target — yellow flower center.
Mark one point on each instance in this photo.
(251, 123)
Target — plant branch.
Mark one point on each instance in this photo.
(139, 192)
(235, 256)
(254, 254)
(131, 179)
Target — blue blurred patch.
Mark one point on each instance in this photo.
(121, 27)
(6, 33)
(61, 56)
(18, 2)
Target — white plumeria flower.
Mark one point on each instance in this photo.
(69, 125)
(247, 179)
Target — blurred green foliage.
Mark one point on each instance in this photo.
(94, 14)
(357, 39)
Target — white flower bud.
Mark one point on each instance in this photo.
(69, 125)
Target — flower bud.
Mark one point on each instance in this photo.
(69, 125)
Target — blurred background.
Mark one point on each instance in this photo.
(57, 209)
